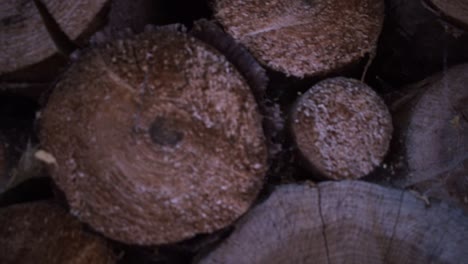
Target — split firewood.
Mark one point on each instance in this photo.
(431, 147)
(37, 36)
(41, 232)
(341, 128)
(345, 222)
(454, 11)
(156, 138)
(304, 38)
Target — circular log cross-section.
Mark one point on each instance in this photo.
(157, 138)
(432, 127)
(345, 222)
(33, 34)
(341, 128)
(42, 232)
(303, 38)
(455, 11)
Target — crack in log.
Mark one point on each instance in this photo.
(387, 252)
(323, 224)
(64, 44)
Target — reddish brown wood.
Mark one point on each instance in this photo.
(41, 232)
(303, 38)
(157, 138)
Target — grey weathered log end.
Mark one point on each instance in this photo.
(345, 222)
(432, 135)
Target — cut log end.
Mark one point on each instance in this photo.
(157, 138)
(211, 33)
(345, 222)
(304, 38)
(434, 135)
(342, 128)
(41, 232)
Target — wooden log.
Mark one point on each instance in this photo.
(303, 38)
(341, 128)
(255, 75)
(345, 222)
(157, 138)
(78, 19)
(37, 36)
(454, 11)
(41, 232)
(431, 144)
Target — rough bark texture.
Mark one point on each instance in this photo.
(41, 232)
(303, 38)
(342, 128)
(345, 222)
(157, 138)
(432, 135)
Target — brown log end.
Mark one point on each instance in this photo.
(209, 32)
(42, 232)
(342, 128)
(303, 38)
(345, 222)
(157, 138)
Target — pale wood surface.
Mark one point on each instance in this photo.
(346, 222)
(432, 131)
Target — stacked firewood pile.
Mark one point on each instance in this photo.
(234, 131)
